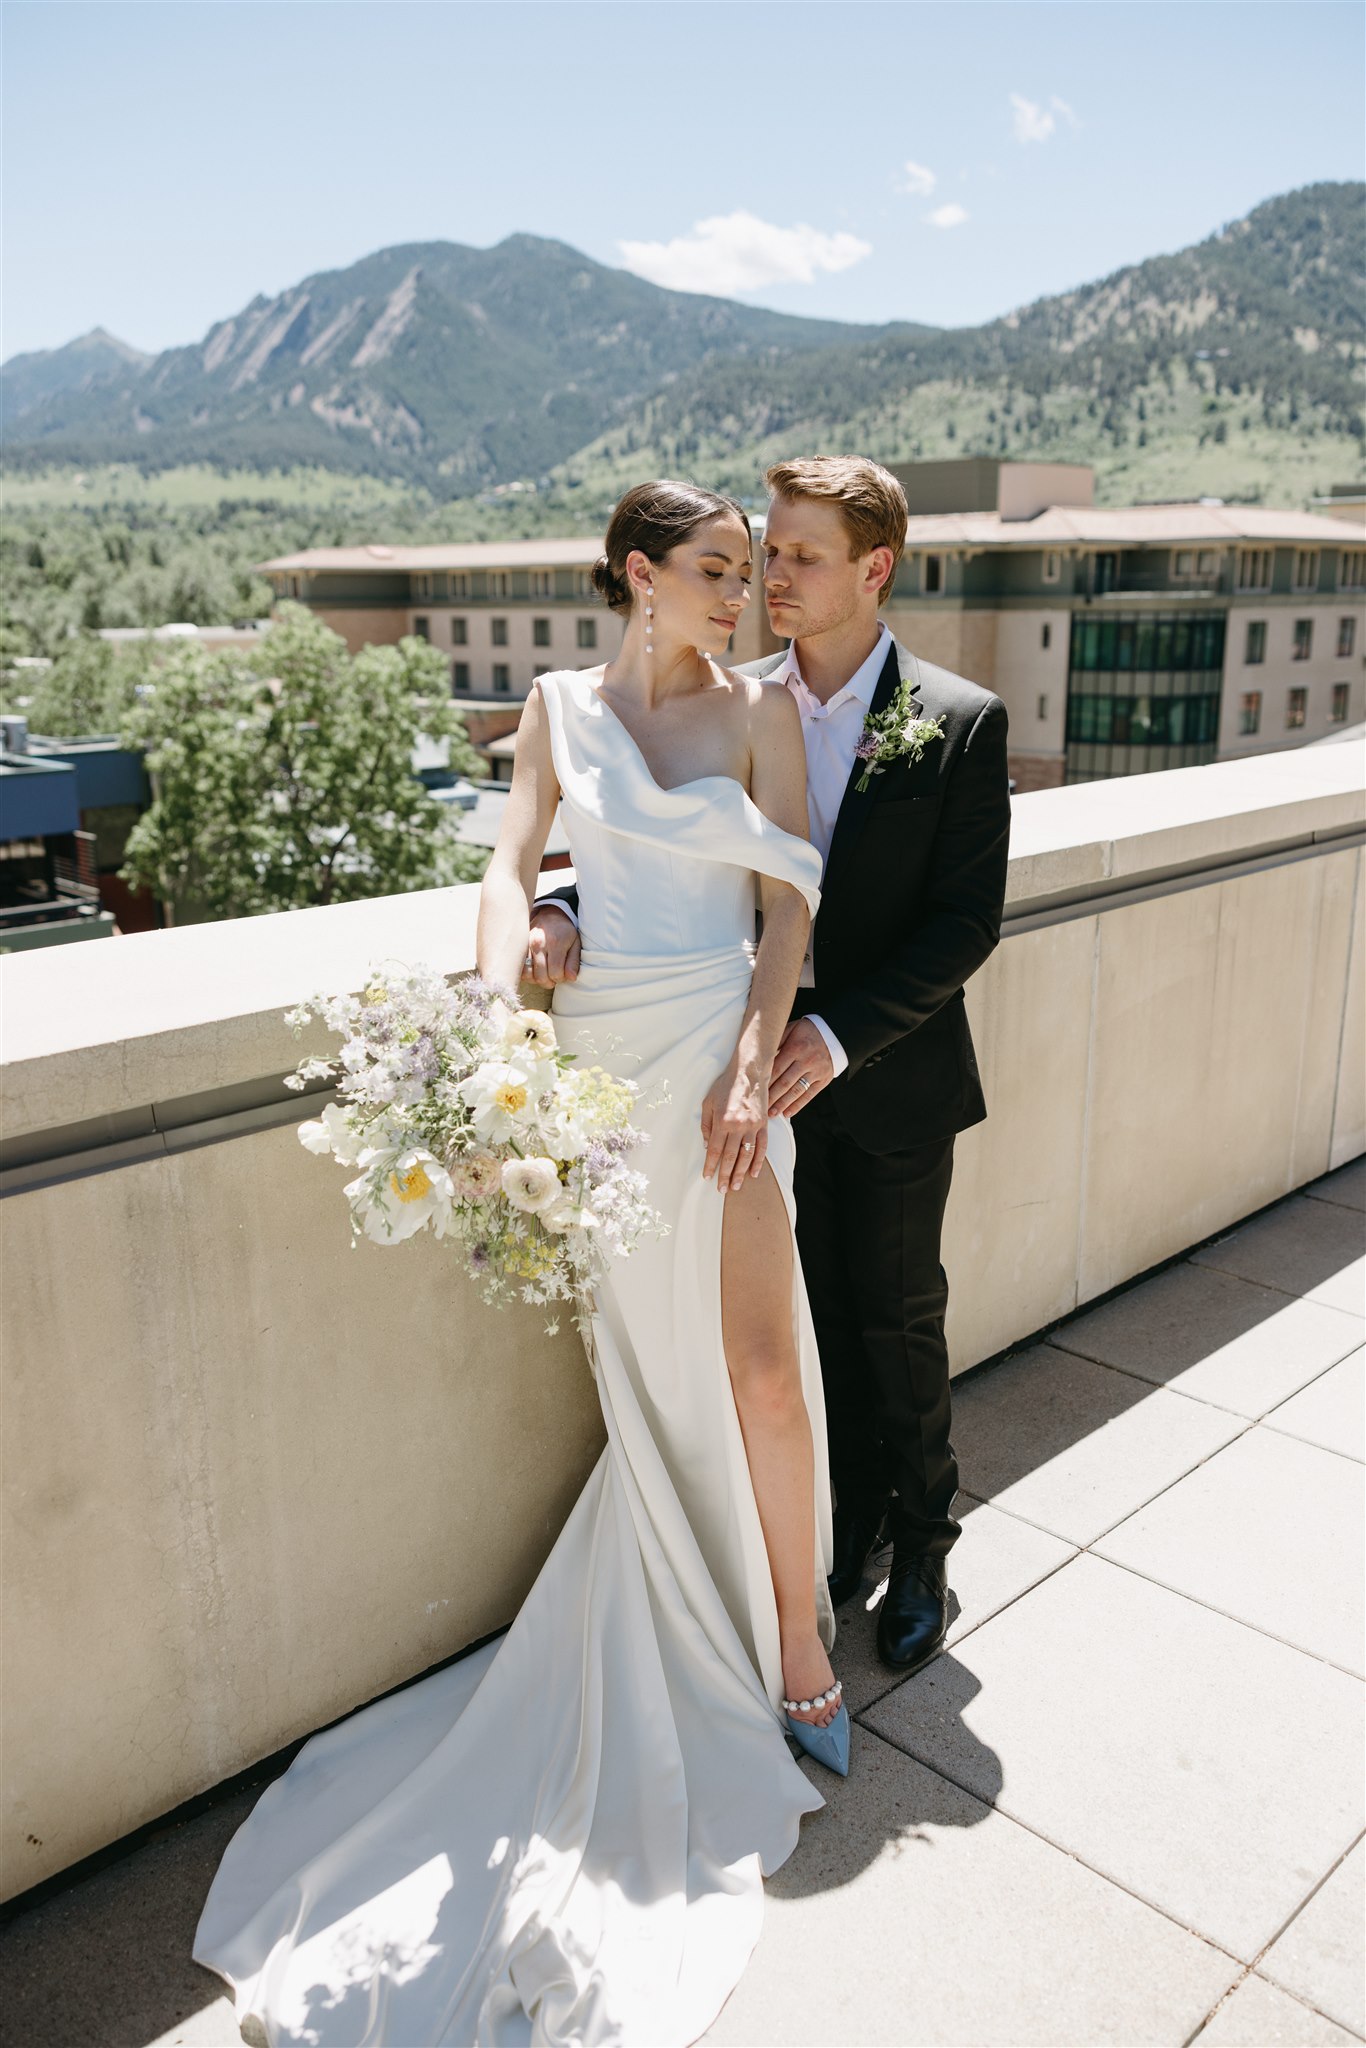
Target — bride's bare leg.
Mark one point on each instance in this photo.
(756, 1316)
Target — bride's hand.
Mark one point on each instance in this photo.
(735, 1127)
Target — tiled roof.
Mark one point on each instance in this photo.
(1064, 526)
(508, 554)
(1061, 526)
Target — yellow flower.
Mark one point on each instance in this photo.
(510, 1097)
(413, 1185)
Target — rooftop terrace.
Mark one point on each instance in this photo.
(255, 1478)
(1124, 1805)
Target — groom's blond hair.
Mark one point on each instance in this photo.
(872, 503)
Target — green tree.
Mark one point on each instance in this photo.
(285, 779)
(90, 688)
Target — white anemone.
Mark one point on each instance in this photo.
(330, 1132)
(529, 1031)
(502, 1095)
(414, 1190)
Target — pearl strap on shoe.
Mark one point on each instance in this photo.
(822, 1699)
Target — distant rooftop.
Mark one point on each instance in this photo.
(1127, 526)
(509, 554)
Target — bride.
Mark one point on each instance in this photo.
(562, 1837)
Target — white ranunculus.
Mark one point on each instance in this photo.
(414, 1190)
(331, 1133)
(529, 1031)
(531, 1184)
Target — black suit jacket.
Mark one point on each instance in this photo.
(911, 906)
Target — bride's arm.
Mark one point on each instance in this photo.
(509, 884)
(736, 1107)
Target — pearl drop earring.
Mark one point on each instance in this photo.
(649, 618)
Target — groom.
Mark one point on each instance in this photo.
(876, 1065)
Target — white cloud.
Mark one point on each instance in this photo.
(738, 252)
(917, 181)
(1032, 122)
(1061, 107)
(951, 216)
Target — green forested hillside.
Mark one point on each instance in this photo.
(445, 365)
(1233, 368)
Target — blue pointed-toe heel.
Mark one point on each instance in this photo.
(828, 1745)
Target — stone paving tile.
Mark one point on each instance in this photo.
(1331, 1411)
(107, 1963)
(1073, 1446)
(911, 1912)
(996, 1558)
(1347, 1185)
(1257, 2015)
(214, 2027)
(1269, 1531)
(1319, 1956)
(1302, 1246)
(1215, 1337)
(1205, 1767)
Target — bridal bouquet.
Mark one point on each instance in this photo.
(463, 1115)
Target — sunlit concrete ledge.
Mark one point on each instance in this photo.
(254, 1476)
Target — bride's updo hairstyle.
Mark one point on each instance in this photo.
(654, 518)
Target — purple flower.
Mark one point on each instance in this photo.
(866, 750)
(479, 1258)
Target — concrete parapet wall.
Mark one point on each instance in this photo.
(254, 1477)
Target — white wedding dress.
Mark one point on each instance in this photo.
(562, 1837)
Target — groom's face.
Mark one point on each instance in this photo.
(810, 583)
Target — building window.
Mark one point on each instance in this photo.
(1250, 712)
(1183, 564)
(1045, 637)
(296, 586)
(1254, 568)
(1306, 569)
(498, 583)
(502, 676)
(1341, 693)
(931, 574)
(422, 586)
(460, 676)
(1043, 705)
(588, 632)
(1052, 567)
(1254, 653)
(1352, 569)
(1296, 705)
(583, 583)
(460, 585)
(1304, 640)
(542, 583)
(498, 632)
(1205, 562)
(540, 632)
(1347, 638)
(460, 632)
(422, 626)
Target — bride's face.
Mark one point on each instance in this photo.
(702, 585)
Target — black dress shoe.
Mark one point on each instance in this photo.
(914, 1618)
(857, 1535)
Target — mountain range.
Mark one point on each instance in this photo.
(464, 369)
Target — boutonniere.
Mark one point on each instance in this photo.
(894, 732)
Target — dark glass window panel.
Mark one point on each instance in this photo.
(1181, 643)
(1145, 641)
(1124, 643)
(1163, 656)
(1105, 653)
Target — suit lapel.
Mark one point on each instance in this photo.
(856, 804)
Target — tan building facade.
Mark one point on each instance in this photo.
(1121, 639)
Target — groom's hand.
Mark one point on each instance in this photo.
(801, 1068)
(553, 948)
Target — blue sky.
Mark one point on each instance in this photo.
(165, 160)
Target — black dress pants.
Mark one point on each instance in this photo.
(868, 1231)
